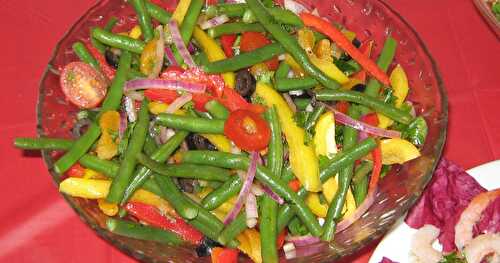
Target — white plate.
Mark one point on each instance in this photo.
(396, 244)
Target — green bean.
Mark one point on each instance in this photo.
(238, 225)
(173, 195)
(150, 145)
(143, 232)
(187, 27)
(105, 167)
(245, 60)
(367, 101)
(232, 161)
(42, 143)
(143, 19)
(360, 182)
(235, 28)
(344, 180)
(290, 44)
(339, 161)
(269, 208)
(217, 110)
(134, 74)
(112, 102)
(282, 71)
(129, 162)
(192, 124)
(383, 61)
(157, 12)
(109, 25)
(143, 174)
(297, 228)
(83, 53)
(220, 195)
(248, 17)
(313, 118)
(302, 103)
(118, 41)
(288, 84)
(202, 172)
(281, 15)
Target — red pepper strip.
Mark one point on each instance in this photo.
(341, 40)
(76, 171)
(370, 118)
(294, 185)
(377, 168)
(215, 83)
(254, 40)
(227, 42)
(366, 48)
(224, 255)
(280, 241)
(106, 69)
(232, 100)
(342, 106)
(152, 216)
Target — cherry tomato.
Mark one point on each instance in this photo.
(227, 42)
(248, 130)
(253, 40)
(83, 85)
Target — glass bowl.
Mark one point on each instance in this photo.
(370, 19)
(485, 9)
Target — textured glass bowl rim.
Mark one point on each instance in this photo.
(488, 15)
(129, 250)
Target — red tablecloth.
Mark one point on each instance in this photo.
(38, 226)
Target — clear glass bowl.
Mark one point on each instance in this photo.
(370, 19)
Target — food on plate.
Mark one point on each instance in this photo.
(233, 127)
(465, 217)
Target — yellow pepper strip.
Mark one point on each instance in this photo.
(108, 209)
(135, 32)
(156, 107)
(397, 151)
(324, 142)
(148, 57)
(250, 244)
(220, 141)
(399, 83)
(303, 160)
(91, 174)
(296, 68)
(324, 50)
(306, 39)
(352, 82)
(213, 51)
(349, 34)
(98, 189)
(324, 65)
(180, 11)
(107, 146)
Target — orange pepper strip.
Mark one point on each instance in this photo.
(341, 40)
(367, 50)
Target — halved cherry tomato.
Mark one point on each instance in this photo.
(83, 85)
(253, 40)
(76, 171)
(224, 255)
(248, 130)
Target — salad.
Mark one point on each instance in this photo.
(251, 127)
(495, 8)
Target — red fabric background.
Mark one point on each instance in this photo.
(37, 226)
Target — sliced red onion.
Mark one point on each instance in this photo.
(281, 57)
(290, 103)
(123, 125)
(367, 203)
(191, 48)
(165, 135)
(170, 56)
(179, 43)
(245, 189)
(251, 210)
(295, 7)
(300, 241)
(178, 103)
(138, 84)
(315, 12)
(159, 53)
(361, 126)
(289, 249)
(130, 109)
(218, 20)
(273, 195)
(135, 95)
(235, 1)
